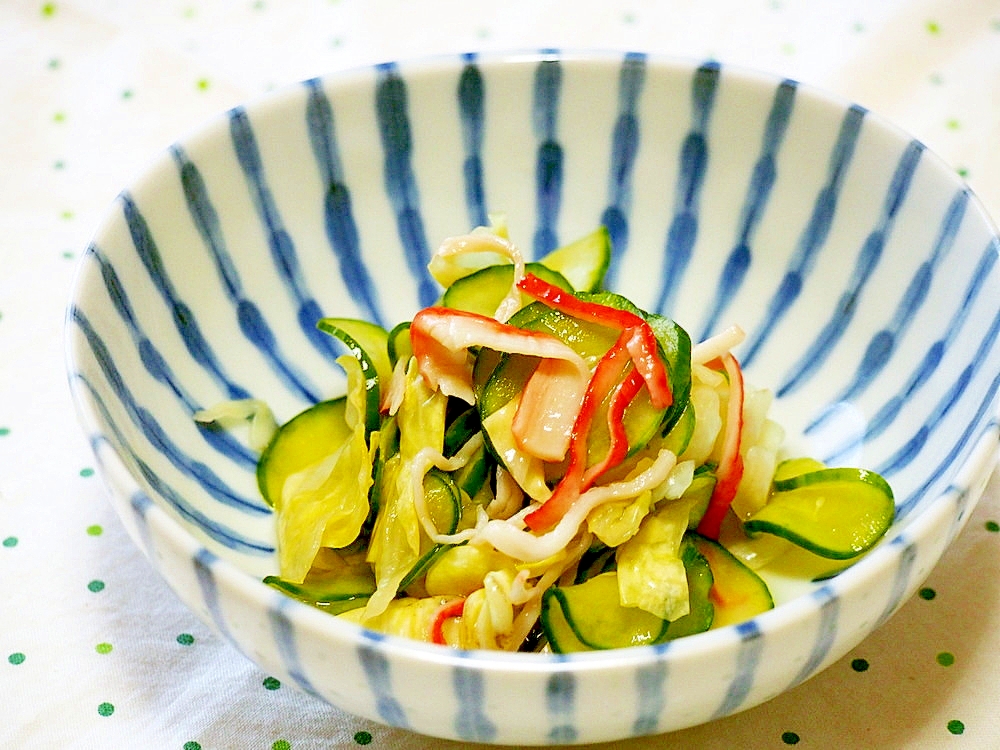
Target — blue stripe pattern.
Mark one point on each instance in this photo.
(145, 351)
(549, 157)
(181, 313)
(282, 247)
(560, 702)
(813, 238)
(144, 419)
(220, 533)
(903, 578)
(871, 252)
(400, 182)
(378, 672)
(156, 364)
(624, 148)
(341, 229)
(650, 682)
(762, 179)
(203, 562)
(747, 660)
(251, 322)
(224, 535)
(472, 722)
(284, 637)
(691, 178)
(926, 367)
(829, 611)
(883, 343)
(471, 109)
(966, 440)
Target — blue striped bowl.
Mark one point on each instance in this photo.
(860, 266)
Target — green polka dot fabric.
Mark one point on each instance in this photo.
(96, 651)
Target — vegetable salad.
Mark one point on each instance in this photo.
(535, 463)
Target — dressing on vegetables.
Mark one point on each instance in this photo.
(535, 463)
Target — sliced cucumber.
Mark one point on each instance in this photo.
(596, 560)
(336, 588)
(584, 262)
(460, 429)
(444, 506)
(737, 592)
(398, 346)
(303, 441)
(678, 437)
(699, 492)
(483, 291)
(369, 344)
(588, 615)
(835, 513)
(465, 426)
(792, 467)
(471, 477)
(699, 580)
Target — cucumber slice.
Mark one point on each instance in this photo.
(834, 513)
(584, 262)
(398, 346)
(588, 615)
(442, 499)
(444, 506)
(792, 467)
(471, 477)
(678, 437)
(483, 291)
(303, 441)
(339, 587)
(369, 344)
(700, 581)
(460, 430)
(737, 592)
(700, 494)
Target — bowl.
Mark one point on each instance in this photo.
(861, 267)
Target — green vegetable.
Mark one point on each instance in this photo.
(369, 344)
(589, 615)
(398, 344)
(583, 262)
(834, 513)
(326, 503)
(441, 496)
(483, 291)
(303, 441)
(737, 592)
(335, 583)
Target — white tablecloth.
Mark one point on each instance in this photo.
(95, 651)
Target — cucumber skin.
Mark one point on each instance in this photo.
(481, 292)
(811, 542)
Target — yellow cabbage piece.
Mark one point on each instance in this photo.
(396, 536)
(327, 503)
(650, 570)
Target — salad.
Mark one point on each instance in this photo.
(535, 463)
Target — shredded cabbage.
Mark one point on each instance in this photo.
(651, 574)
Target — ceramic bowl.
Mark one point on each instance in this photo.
(862, 269)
